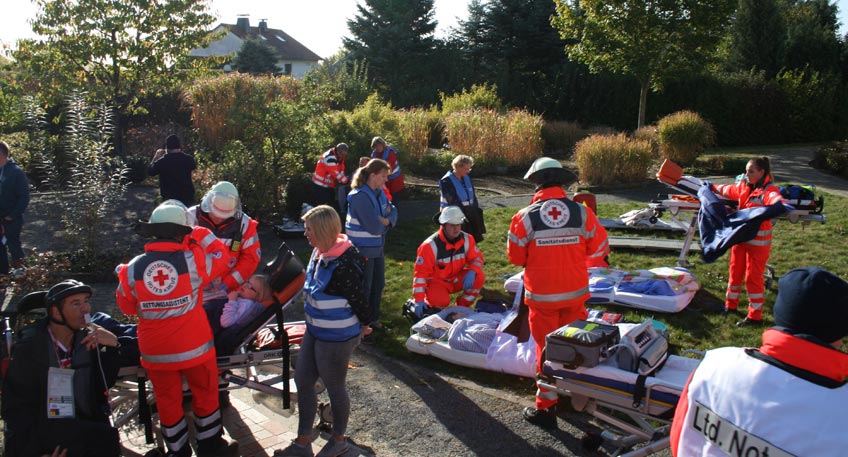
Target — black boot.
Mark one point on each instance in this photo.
(176, 439)
(210, 443)
(545, 418)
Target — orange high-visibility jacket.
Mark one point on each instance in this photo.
(752, 197)
(244, 254)
(330, 170)
(554, 239)
(439, 259)
(164, 287)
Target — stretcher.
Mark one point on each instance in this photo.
(636, 416)
(684, 207)
(260, 344)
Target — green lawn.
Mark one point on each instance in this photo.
(699, 326)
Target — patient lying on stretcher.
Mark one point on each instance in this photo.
(226, 318)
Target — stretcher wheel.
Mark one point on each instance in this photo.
(592, 441)
(653, 219)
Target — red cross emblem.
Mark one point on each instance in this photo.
(161, 277)
(555, 213)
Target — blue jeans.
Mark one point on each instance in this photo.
(373, 281)
(12, 232)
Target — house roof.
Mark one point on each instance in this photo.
(287, 47)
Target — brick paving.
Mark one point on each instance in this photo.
(259, 430)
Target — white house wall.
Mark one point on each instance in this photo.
(228, 45)
(299, 67)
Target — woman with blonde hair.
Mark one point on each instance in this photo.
(456, 189)
(337, 316)
(369, 216)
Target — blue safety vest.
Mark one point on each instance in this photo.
(464, 190)
(328, 317)
(360, 237)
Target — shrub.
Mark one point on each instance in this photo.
(511, 139)
(224, 108)
(96, 179)
(418, 130)
(136, 168)
(650, 134)
(812, 102)
(43, 269)
(479, 97)
(833, 158)
(607, 159)
(358, 127)
(297, 192)
(683, 136)
(559, 137)
(249, 172)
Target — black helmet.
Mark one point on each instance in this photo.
(65, 289)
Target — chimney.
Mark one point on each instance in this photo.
(243, 23)
(263, 25)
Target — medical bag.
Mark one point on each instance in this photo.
(581, 344)
(643, 349)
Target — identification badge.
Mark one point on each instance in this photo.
(60, 393)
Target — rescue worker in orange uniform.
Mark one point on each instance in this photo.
(220, 212)
(163, 287)
(329, 176)
(555, 240)
(748, 260)
(448, 261)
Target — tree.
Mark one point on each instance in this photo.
(653, 40)
(256, 58)
(812, 38)
(757, 37)
(395, 39)
(116, 50)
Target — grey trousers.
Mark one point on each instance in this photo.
(329, 361)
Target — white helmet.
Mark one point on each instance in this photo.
(546, 170)
(452, 215)
(222, 201)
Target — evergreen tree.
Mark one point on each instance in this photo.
(757, 37)
(256, 58)
(395, 39)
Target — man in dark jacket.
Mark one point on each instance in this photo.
(174, 168)
(53, 392)
(14, 198)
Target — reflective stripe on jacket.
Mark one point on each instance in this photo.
(554, 239)
(456, 192)
(753, 197)
(245, 255)
(355, 228)
(163, 287)
(328, 317)
(329, 170)
(438, 258)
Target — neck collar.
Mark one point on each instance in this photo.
(809, 356)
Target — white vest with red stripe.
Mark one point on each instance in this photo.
(742, 406)
(173, 331)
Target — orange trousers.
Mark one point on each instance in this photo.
(542, 322)
(439, 291)
(747, 264)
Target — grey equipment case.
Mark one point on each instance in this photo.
(581, 344)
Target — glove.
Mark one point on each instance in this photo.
(468, 280)
(419, 309)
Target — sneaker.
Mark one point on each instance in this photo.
(295, 449)
(334, 448)
(748, 322)
(545, 418)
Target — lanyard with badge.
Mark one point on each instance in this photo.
(60, 385)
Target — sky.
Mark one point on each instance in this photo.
(317, 24)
